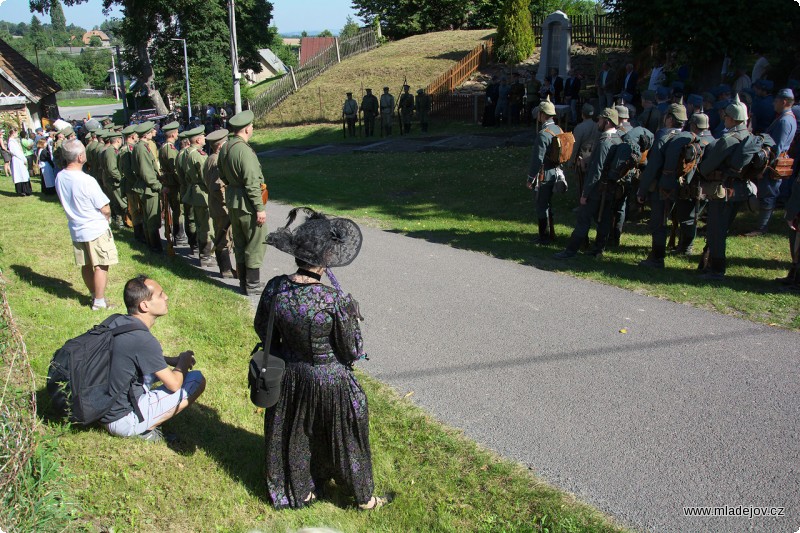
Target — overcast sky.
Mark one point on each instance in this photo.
(287, 15)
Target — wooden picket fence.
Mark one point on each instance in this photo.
(445, 104)
(599, 30)
(278, 92)
(458, 107)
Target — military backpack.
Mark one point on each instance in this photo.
(560, 149)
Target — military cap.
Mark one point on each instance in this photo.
(385, 88)
(217, 135)
(241, 120)
(700, 120)
(67, 131)
(610, 114)
(406, 86)
(622, 111)
(171, 126)
(737, 110)
(144, 127)
(349, 93)
(662, 92)
(420, 91)
(111, 135)
(368, 90)
(626, 97)
(786, 93)
(118, 129)
(547, 107)
(724, 88)
(199, 130)
(649, 96)
(101, 134)
(587, 109)
(678, 111)
(130, 130)
(182, 135)
(695, 99)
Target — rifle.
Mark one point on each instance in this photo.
(671, 215)
(168, 224)
(344, 126)
(380, 117)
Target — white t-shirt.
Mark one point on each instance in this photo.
(82, 198)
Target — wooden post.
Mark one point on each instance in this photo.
(294, 80)
(338, 54)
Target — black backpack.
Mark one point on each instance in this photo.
(78, 379)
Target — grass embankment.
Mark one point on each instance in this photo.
(212, 478)
(81, 102)
(477, 200)
(418, 59)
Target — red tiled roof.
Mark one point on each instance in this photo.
(310, 47)
(23, 75)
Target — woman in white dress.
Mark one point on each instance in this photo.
(19, 164)
(45, 161)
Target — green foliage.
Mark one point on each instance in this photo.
(351, 28)
(58, 23)
(69, 76)
(285, 53)
(514, 33)
(325, 33)
(735, 31)
(95, 41)
(542, 8)
(36, 34)
(402, 18)
(110, 27)
(94, 65)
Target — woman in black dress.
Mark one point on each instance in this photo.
(319, 429)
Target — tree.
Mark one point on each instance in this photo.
(36, 35)
(57, 19)
(401, 18)
(542, 8)
(303, 33)
(111, 27)
(95, 41)
(325, 33)
(735, 31)
(68, 76)
(351, 28)
(514, 33)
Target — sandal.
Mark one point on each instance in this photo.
(376, 502)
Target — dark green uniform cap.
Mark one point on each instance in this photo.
(130, 130)
(199, 130)
(111, 135)
(182, 135)
(144, 127)
(67, 131)
(241, 120)
(171, 126)
(118, 129)
(101, 134)
(217, 135)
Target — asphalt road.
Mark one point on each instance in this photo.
(80, 112)
(685, 408)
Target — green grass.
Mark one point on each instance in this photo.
(260, 87)
(80, 102)
(213, 478)
(477, 201)
(418, 59)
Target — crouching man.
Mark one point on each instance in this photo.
(139, 362)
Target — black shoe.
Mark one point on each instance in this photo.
(154, 436)
(652, 263)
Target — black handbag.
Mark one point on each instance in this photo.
(265, 371)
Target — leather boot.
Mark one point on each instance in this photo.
(241, 272)
(191, 238)
(544, 233)
(155, 242)
(179, 233)
(205, 254)
(138, 233)
(224, 262)
(614, 238)
(791, 277)
(656, 258)
(717, 271)
(253, 280)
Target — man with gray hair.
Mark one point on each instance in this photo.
(88, 212)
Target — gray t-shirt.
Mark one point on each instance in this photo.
(136, 354)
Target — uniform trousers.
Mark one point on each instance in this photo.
(135, 208)
(592, 210)
(203, 223)
(249, 239)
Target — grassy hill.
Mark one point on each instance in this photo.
(419, 59)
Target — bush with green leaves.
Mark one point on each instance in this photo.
(68, 75)
(515, 37)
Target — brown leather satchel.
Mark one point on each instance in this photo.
(780, 167)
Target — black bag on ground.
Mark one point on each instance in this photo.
(78, 379)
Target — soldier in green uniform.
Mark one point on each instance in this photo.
(217, 209)
(650, 118)
(166, 157)
(423, 108)
(350, 114)
(125, 166)
(405, 106)
(67, 134)
(197, 192)
(369, 108)
(387, 111)
(240, 170)
(543, 172)
(92, 138)
(113, 178)
(147, 185)
(188, 216)
(725, 187)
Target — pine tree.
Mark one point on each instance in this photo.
(57, 19)
(514, 32)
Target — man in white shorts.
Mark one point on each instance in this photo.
(138, 363)
(88, 213)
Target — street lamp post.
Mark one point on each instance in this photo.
(186, 66)
(237, 95)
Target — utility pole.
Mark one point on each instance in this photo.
(124, 99)
(188, 92)
(237, 93)
(116, 84)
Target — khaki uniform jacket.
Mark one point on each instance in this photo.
(196, 193)
(216, 188)
(110, 164)
(144, 165)
(166, 157)
(90, 157)
(240, 170)
(125, 165)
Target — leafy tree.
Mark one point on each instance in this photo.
(57, 19)
(285, 53)
(325, 33)
(401, 18)
(111, 27)
(94, 64)
(736, 30)
(514, 33)
(68, 76)
(36, 34)
(304, 33)
(351, 28)
(95, 41)
(542, 8)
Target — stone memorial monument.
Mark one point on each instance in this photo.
(556, 41)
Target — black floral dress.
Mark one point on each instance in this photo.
(319, 429)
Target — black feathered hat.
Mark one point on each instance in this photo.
(320, 241)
